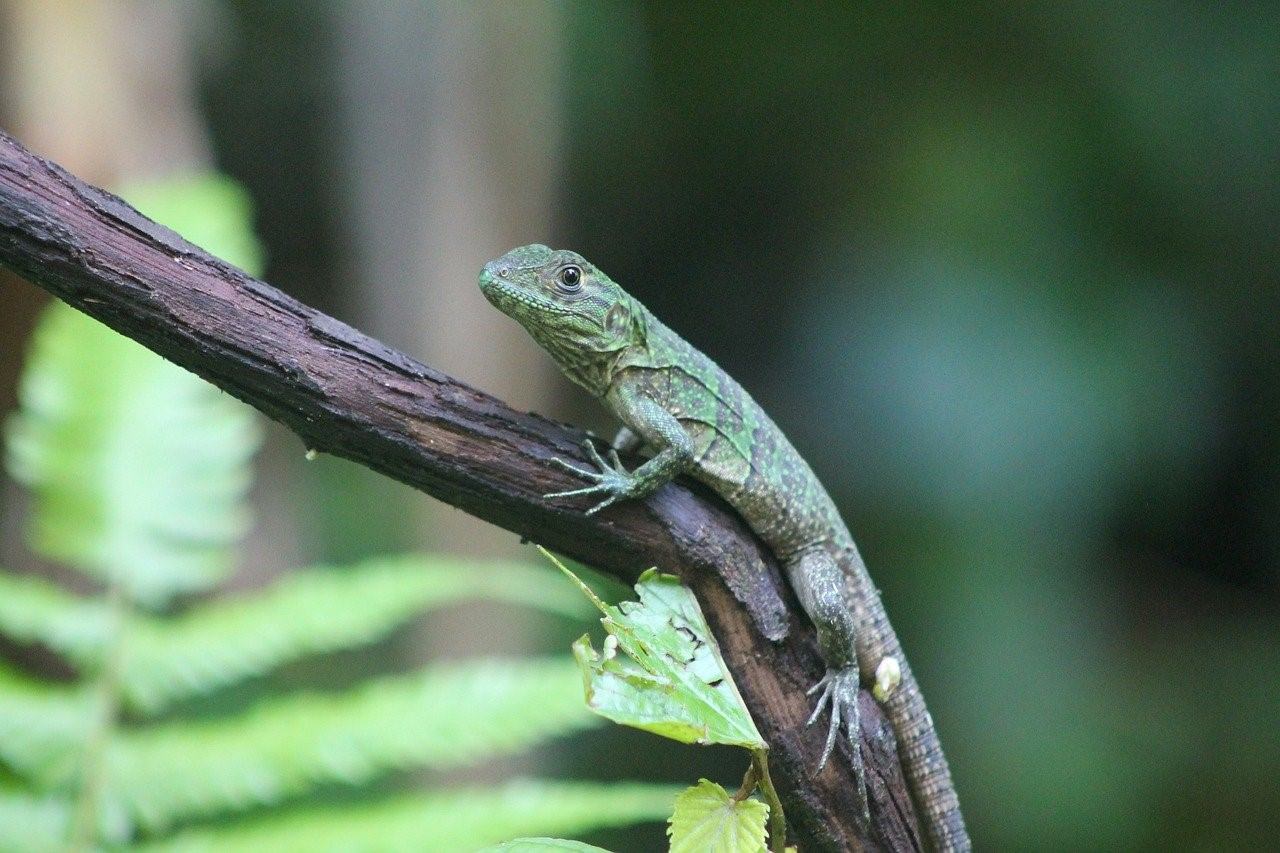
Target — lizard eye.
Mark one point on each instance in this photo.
(570, 279)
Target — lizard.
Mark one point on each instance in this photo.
(690, 417)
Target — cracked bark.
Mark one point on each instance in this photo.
(346, 394)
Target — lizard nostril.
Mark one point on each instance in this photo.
(504, 272)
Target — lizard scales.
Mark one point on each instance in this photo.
(693, 418)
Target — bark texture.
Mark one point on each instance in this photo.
(346, 394)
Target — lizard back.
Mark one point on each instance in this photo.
(739, 451)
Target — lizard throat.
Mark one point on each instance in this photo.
(588, 368)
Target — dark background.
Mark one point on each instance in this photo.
(1005, 272)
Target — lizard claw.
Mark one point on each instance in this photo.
(572, 469)
(826, 685)
(590, 447)
(609, 501)
(586, 490)
(612, 480)
(839, 691)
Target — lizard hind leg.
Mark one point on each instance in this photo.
(839, 694)
(819, 584)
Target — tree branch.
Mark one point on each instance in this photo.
(346, 394)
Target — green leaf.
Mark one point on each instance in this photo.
(42, 727)
(708, 820)
(673, 682)
(311, 611)
(139, 468)
(445, 716)
(33, 824)
(543, 845)
(315, 611)
(461, 820)
(33, 610)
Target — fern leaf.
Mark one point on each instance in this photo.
(315, 611)
(312, 611)
(443, 716)
(42, 728)
(32, 610)
(32, 824)
(460, 820)
(139, 468)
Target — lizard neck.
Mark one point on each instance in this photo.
(589, 369)
(592, 367)
(596, 370)
(659, 348)
(650, 350)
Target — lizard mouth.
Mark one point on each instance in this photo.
(507, 296)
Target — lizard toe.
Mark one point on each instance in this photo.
(571, 468)
(586, 490)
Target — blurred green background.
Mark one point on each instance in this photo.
(1005, 272)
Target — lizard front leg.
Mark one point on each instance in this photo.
(657, 428)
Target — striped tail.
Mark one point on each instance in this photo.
(923, 763)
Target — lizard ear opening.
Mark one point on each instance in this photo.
(618, 320)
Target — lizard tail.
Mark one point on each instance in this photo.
(925, 766)
(923, 763)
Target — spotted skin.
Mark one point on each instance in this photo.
(693, 418)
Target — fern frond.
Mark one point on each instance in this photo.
(32, 824)
(42, 727)
(443, 716)
(32, 610)
(313, 611)
(139, 468)
(460, 820)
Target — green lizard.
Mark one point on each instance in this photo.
(691, 417)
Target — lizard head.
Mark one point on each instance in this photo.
(574, 311)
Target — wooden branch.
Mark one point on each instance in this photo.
(346, 394)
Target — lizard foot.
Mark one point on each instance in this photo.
(611, 480)
(838, 689)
